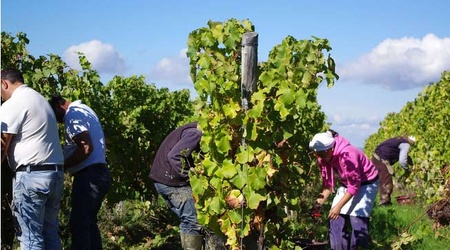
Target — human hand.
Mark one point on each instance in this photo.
(334, 212)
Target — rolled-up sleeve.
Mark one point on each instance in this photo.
(403, 155)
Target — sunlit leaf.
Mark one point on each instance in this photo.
(223, 144)
(228, 169)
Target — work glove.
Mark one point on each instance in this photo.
(316, 210)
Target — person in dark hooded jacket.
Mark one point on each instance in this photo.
(170, 173)
(386, 154)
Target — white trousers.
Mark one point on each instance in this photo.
(360, 204)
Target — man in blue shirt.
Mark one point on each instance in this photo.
(85, 160)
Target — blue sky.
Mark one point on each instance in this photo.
(386, 51)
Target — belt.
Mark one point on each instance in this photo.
(364, 182)
(385, 162)
(47, 167)
(369, 182)
(376, 156)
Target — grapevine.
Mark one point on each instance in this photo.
(243, 190)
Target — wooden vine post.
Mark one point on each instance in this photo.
(249, 63)
(248, 86)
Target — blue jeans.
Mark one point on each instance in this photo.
(89, 189)
(36, 201)
(182, 203)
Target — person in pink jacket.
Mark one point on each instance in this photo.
(355, 196)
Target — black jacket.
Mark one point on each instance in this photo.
(173, 158)
(389, 150)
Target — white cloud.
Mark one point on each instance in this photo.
(172, 72)
(346, 120)
(401, 63)
(103, 57)
(355, 129)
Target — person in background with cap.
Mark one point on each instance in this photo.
(386, 154)
(355, 198)
(30, 141)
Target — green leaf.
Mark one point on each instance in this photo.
(282, 109)
(204, 62)
(257, 178)
(217, 32)
(286, 95)
(259, 95)
(207, 39)
(306, 79)
(230, 110)
(216, 182)
(198, 184)
(202, 218)
(235, 216)
(256, 110)
(242, 157)
(300, 99)
(248, 25)
(228, 169)
(216, 205)
(240, 179)
(223, 145)
(204, 144)
(252, 131)
(209, 165)
(252, 198)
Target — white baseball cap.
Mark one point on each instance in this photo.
(412, 138)
(321, 142)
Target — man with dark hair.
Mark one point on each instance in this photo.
(85, 160)
(30, 141)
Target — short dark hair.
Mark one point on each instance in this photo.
(56, 99)
(12, 75)
(333, 133)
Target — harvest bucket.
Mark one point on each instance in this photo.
(405, 199)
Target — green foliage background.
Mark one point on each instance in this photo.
(135, 115)
(427, 118)
(272, 170)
